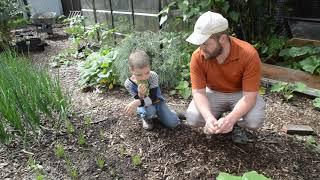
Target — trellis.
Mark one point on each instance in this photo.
(123, 15)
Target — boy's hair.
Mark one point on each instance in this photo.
(138, 59)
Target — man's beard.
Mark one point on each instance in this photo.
(213, 54)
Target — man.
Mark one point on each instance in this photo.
(225, 76)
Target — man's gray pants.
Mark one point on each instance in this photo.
(225, 102)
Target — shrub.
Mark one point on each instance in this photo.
(169, 54)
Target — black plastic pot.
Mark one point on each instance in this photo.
(36, 44)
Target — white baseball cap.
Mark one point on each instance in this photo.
(207, 24)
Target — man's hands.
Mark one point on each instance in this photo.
(221, 126)
(224, 125)
(132, 106)
(142, 90)
(210, 127)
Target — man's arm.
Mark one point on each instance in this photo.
(243, 106)
(202, 104)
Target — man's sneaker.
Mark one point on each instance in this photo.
(147, 124)
(239, 135)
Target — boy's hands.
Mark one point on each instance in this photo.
(132, 106)
(142, 90)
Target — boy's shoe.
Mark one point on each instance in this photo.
(240, 135)
(147, 124)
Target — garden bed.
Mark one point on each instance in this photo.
(181, 153)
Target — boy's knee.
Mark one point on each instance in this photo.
(172, 124)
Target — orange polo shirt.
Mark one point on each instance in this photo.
(241, 71)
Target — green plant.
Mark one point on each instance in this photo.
(70, 127)
(312, 144)
(316, 101)
(26, 95)
(81, 139)
(39, 177)
(287, 89)
(191, 9)
(252, 175)
(59, 151)
(87, 122)
(101, 134)
(72, 170)
(63, 58)
(271, 48)
(100, 162)
(97, 71)
(18, 22)
(9, 9)
(184, 89)
(122, 151)
(35, 167)
(169, 54)
(306, 58)
(136, 160)
(76, 29)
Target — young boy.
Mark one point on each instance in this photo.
(143, 86)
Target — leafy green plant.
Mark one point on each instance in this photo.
(96, 71)
(100, 162)
(184, 89)
(136, 160)
(26, 95)
(9, 9)
(252, 175)
(76, 29)
(306, 58)
(251, 20)
(88, 36)
(191, 9)
(316, 101)
(271, 48)
(287, 89)
(63, 58)
(59, 151)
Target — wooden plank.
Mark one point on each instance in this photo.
(290, 75)
(266, 82)
(298, 129)
(303, 42)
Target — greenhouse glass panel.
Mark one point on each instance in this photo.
(122, 23)
(89, 20)
(143, 6)
(102, 4)
(86, 4)
(143, 23)
(121, 5)
(105, 20)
